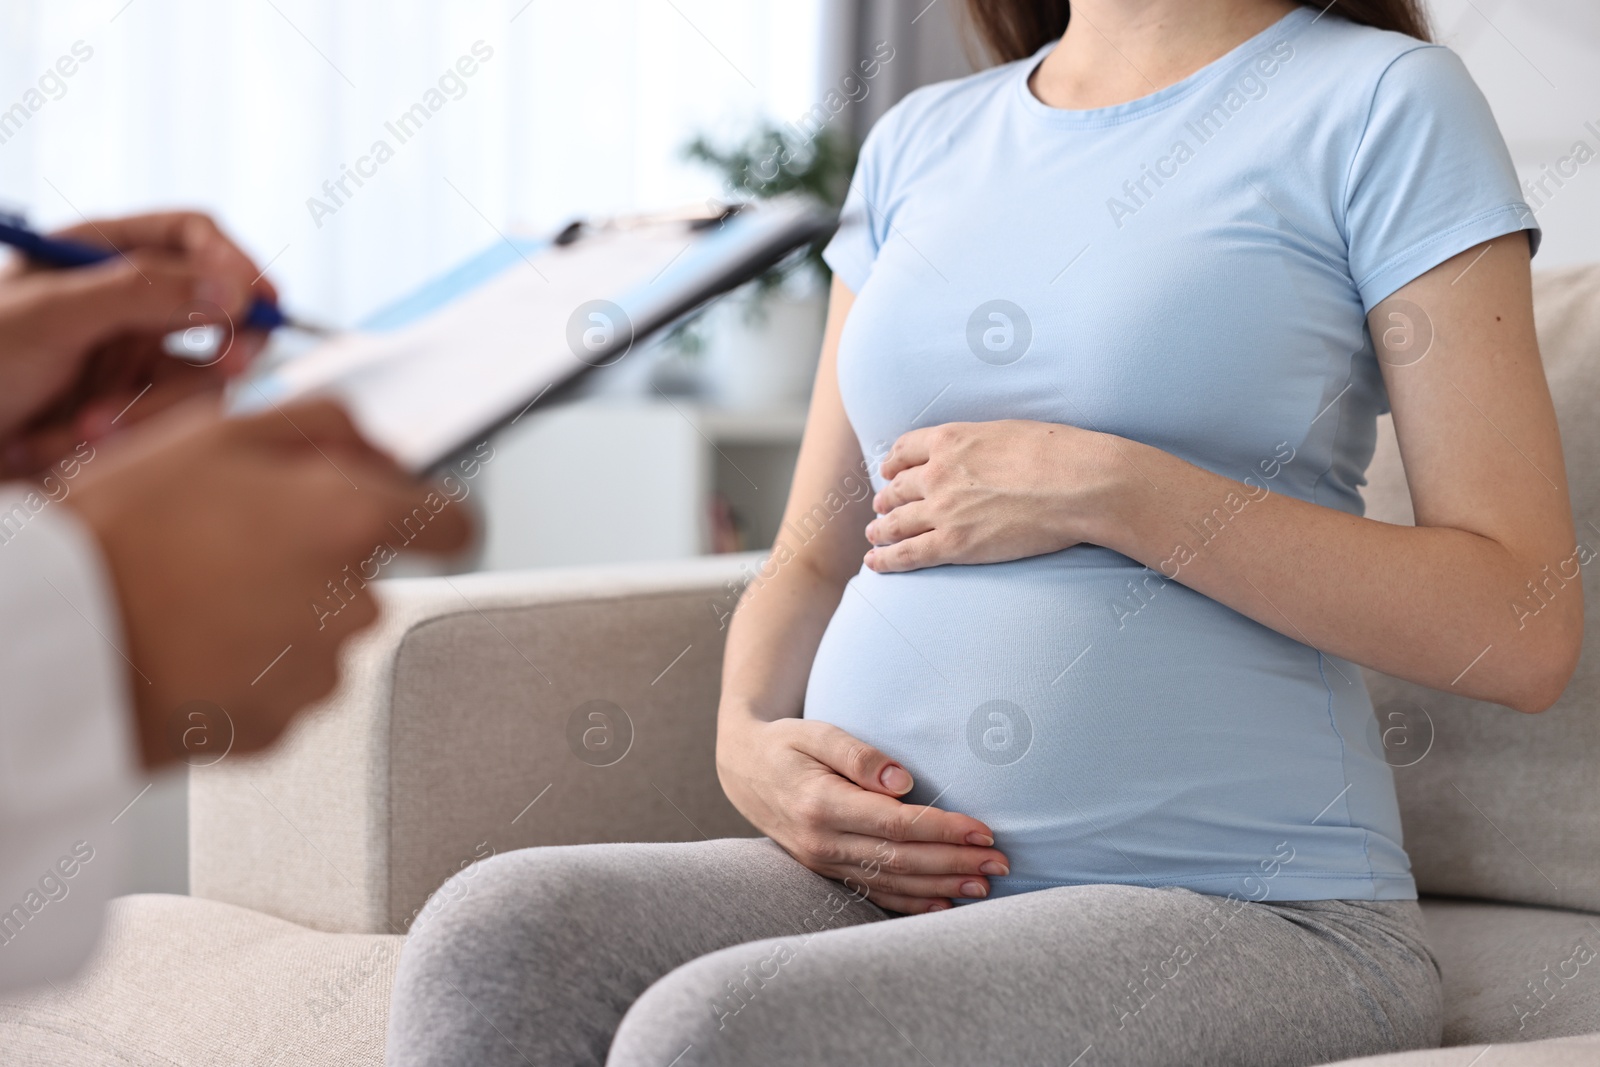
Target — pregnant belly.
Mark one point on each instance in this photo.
(1114, 727)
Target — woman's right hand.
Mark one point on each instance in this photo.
(831, 801)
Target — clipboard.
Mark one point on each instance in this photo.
(434, 385)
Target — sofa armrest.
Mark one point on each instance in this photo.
(484, 713)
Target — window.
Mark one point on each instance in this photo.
(362, 146)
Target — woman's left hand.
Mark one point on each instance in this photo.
(987, 492)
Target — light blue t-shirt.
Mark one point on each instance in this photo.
(1191, 270)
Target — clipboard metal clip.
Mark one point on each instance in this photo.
(697, 217)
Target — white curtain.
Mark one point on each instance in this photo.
(247, 107)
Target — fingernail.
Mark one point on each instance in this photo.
(895, 779)
(981, 840)
(974, 890)
(994, 867)
(868, 531)
(940, 906)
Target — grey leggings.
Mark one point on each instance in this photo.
(730, 952)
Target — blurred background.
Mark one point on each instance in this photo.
(254, 110)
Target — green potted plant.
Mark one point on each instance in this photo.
(759, 347)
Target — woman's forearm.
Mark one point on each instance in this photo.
(772, 638)
(779, 622)
(1444, 607)
(1482, 597)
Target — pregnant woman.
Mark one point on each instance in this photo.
(1077, 766)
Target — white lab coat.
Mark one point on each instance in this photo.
(68, 761)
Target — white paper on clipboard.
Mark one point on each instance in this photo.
(426, 390)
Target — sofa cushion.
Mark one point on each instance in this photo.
(1498, 805)
(185, 982)
(483, 713)
(1514, 973)
(576, 722)
(1558, 1052)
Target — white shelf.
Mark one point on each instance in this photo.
(771, 427)
(610, 481)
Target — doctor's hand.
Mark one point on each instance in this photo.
(79, 347)
(222, 536)
(988, 492)
(832, 802)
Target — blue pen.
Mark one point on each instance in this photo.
(60, 252)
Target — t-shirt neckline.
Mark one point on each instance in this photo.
(1161, 98)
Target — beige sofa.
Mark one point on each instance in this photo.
(455, 735)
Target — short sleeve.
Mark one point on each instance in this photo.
(1431, 177)
(863, 223)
